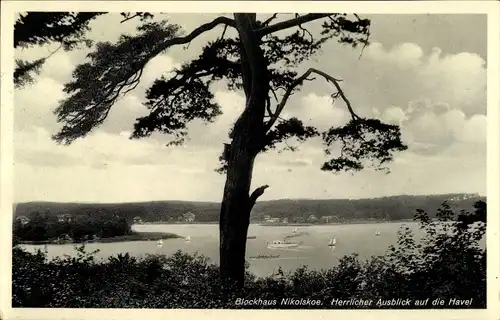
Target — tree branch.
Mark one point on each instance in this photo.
(268, 20)
(268, 106)
(290, 23)
(256, 194)
(110, 88)
(182, 40)
(299, 81)
(274, 94)
(223, 33)
(203, 28)
(304, 30)
(53, 52)
(130, 18)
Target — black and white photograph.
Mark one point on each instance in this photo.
(199, 159)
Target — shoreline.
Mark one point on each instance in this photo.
(280, 224)
(155, 236)
(135, 236)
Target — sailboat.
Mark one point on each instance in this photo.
(294, 230)
(377, 233)
(159, 243)
(332, 242)
(188, 238)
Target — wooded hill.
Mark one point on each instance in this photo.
(385, 208)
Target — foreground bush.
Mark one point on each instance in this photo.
(447, 263)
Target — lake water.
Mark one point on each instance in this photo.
(314, 250)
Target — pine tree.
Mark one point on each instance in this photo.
(261, 61)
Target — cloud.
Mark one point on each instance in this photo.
(432, 128)
(405, 56)
(438, 99)
(116, 183)
(458, 80)
(319, 111)
(297, 163)
(393, 115)
(100, 149)
(34, 105)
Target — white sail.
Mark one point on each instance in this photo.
(332, 242)
(159, 242)
(294, 230)
(188, 238)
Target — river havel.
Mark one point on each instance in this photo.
(459, 302)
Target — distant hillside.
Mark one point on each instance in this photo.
(386, 208)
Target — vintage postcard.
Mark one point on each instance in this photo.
(315, 159)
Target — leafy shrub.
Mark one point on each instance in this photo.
(448, 262)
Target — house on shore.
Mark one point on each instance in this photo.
(23, 220)
(64, 218)
(137, 220)
(312, 218)
(272, 220)
(299, 220)
(329, 219)
(189, 217)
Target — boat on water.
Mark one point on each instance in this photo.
(332, 242)
(282, 244)
(263, 256)
(188, 238)
(159, 243)
(252, 237)
(377, 233)
(295, 230)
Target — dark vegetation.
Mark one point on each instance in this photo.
(387, 208)
(95, 227)
(43, 226)
(447, 263)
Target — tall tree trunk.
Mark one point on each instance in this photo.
(235, 212)
(245, 145)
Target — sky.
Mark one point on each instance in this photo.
(426, 73)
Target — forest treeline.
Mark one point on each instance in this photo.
(45, 227)
(385, 208)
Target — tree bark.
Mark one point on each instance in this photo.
(245, 145)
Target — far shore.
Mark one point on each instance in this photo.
(135, 236)
(280, 224)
